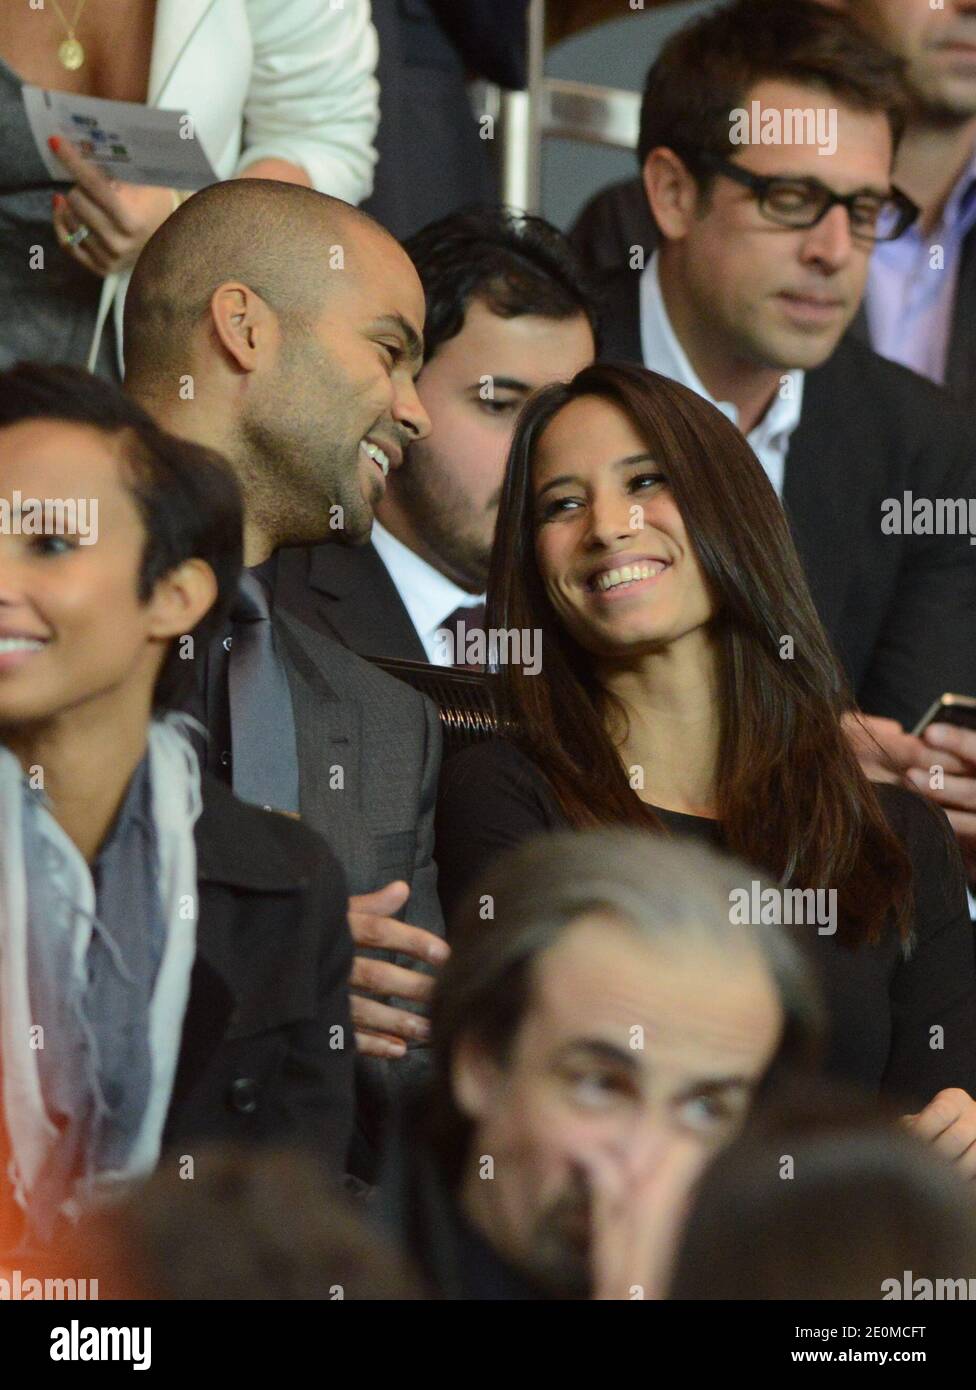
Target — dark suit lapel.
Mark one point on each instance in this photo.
(348, 592)
(859, 325)
(823, 475)
(960, 375)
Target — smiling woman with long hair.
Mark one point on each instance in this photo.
(180, 957)
(688, 686)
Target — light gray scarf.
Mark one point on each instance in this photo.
(107, 981)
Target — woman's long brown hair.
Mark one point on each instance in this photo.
(791, 796)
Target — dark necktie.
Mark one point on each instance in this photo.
(262, 721)
(461, 623)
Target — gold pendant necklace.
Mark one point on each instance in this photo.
(70, 52)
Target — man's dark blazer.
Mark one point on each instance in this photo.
(900, 610)
(369, 751)
(960, 376)
(267, 1052)
(349, 590)
(369, 756)
(418, 1208)
(385, 737)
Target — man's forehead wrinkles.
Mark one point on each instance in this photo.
(678, 1037)
(678, 1015)
(663, 1014)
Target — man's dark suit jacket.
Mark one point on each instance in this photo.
(618, 218)
(267, 1052)
(350, 592)
(386, 737)
(900, 610)
(960, 376)
(369, 751)
(378, 816)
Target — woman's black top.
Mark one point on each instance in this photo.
(883, 1000)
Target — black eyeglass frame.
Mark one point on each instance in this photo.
(760, 184)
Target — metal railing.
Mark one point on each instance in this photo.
(551, 108)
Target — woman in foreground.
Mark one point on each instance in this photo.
(687, 686)
(173, 963)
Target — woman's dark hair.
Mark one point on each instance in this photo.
(187, 496)
(828, 1207)
(515, 263)
(791, 795)
(707, 69)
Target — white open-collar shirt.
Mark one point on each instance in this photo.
(663, 353)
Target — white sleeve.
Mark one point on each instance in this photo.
(313, 98)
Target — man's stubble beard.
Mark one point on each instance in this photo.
(774, 348)
(560, 1260)
(439, 512)
(938, 112)
(294, 456)
(930, 104)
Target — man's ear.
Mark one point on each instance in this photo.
(243, 323)
(181, 598)
(671, 191)
(475, 1078)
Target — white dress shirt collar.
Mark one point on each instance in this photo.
(663, 353)
(428, 596)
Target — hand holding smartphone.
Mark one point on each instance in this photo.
(949, 709)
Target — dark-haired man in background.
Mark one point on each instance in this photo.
(762, 263)
(507, 312)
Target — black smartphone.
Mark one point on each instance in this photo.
(949, 709)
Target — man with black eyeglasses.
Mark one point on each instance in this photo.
(768, 132)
